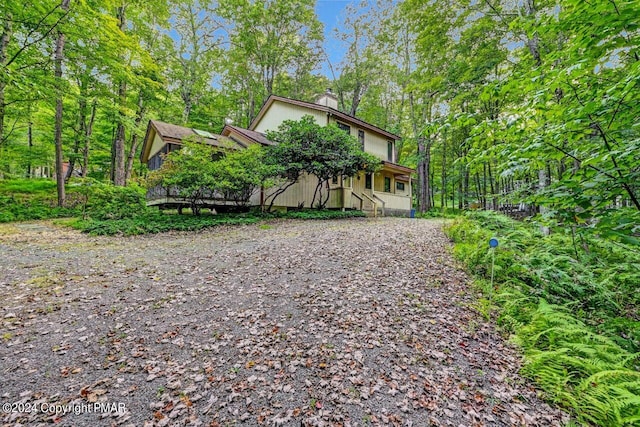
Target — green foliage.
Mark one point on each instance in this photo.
(199, 172)
(28, 199)
(190, 171)
(310, 214)
(157, 222)
(440, 213)
(571, 303)
(238, 174)
(103, 201)
(269, 39)
(27, 186)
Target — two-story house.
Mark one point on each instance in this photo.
(386, 192)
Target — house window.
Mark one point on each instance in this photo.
(400, 186)
(387, 184)
(155, 162)
(390, 151)
(367, 181)
(344, 127)
(361, 138)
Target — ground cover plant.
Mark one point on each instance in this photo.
(33, 199)
(28, 199)
(571, 303)
(154, 221)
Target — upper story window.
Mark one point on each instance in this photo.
(390, 151)
(361, 138)
(344, 127)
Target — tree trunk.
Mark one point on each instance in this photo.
(30, 142)
(59, 57)
(135, 141)
(82, 123)
(484, 185)
(118, 148)
(87, 140)
(533, 43)
(465, 190)
(424, 155)
(424, 158)
(494, 190)
(443, 175)
(542, 183)
(357, 97)
(4, 45)
(188, 105)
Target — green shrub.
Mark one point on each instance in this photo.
(103, 201)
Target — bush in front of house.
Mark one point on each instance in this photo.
(103, 201)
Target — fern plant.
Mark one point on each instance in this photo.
(572, 310)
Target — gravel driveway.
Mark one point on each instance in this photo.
(336, 323)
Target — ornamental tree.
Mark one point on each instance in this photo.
(305, 147)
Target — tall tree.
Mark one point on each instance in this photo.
(118, 173)
(59, 58)
(197, 48)
(267, 38)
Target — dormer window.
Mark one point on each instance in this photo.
(390, 151)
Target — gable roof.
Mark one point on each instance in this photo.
(175, 134)
(251, 135)
(331, 111)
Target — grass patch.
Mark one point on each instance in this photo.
(157, 222)
(571, 303)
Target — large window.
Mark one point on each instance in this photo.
(361, 138)
(390, 151)
(344, 127)
(367, 181)
(387, 184)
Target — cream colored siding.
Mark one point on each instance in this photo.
(394, 201)
(279, 112)
(373, 143)
(378, 182)
(302, 193)
(347, 192)
(376, 145)
(157, 145)
(401, 192)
